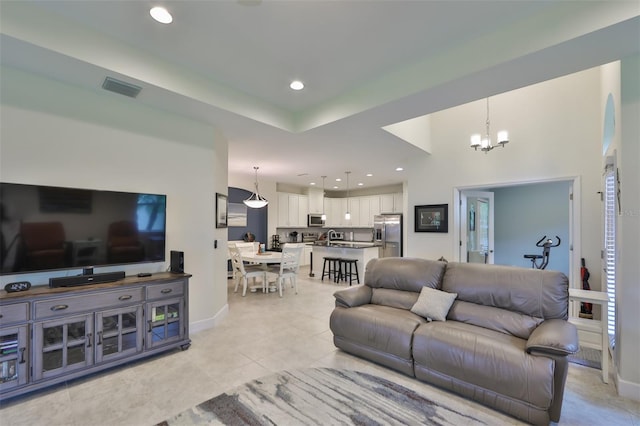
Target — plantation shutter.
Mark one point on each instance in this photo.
(609, 253)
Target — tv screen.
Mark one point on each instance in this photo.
(46, 228)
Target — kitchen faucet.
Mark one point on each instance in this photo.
(329, 233)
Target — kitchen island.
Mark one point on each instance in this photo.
(363, 252)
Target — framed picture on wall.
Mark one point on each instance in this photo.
(221, 211)
(237, 215)
(432, 218)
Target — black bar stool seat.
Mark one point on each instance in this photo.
(349, 268)
(333, 270)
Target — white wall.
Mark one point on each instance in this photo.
(59, 135)
(628, 231)
(554, 132)
(518, 226)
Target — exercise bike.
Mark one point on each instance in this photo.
(546, 250)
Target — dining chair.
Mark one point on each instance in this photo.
(244, 272)
(288, 267)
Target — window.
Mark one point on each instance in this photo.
(151, 212)
(609, 252)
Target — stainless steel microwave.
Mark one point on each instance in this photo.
(315, 220)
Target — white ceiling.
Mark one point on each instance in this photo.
(366, 64)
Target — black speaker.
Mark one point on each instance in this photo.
(76, 280)
(177, 262)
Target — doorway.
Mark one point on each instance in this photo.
(508, 227)
(478, 235)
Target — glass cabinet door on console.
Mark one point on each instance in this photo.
(13, 357)
(165, 322)
(61, 346)
(119, 333)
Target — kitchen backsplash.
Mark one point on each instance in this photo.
(359, 234)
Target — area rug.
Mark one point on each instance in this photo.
(325, 396)
(588, 357)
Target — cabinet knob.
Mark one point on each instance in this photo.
(125, 297)
(166, 291)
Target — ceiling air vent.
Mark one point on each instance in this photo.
(121, 87)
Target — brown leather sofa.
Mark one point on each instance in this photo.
(504, 343)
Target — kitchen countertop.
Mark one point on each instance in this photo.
(346, 244)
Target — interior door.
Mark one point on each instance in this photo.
(477, 235)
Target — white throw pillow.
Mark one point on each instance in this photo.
(433, 304)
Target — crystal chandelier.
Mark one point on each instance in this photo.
(485, 144)
(256, 201)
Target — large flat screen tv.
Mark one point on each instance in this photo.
(46, 228)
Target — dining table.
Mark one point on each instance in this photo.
(262, 258)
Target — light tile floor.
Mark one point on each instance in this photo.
(262, 334)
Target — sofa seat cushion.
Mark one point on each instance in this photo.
(488, 359)
(382, 328)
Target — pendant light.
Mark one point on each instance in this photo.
(347, 215)
(485, 144)
(324, 216)
(256, 201)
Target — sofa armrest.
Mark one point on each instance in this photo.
(353, 296)
(554, 336)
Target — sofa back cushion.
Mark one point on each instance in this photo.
(537, 293)
(397, 281)
(395, 298)
(497, 319)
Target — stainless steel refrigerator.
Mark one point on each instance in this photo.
(387, 231)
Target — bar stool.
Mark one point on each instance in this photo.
(334, 265)
(347, 266)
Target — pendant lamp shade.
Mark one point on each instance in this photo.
(347, 215)
(256, 201)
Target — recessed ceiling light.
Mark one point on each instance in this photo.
(312, 183)
(338, 180)
(399, 169)
(360, 184)
(335, 187)
(297, 85)
(369, 174)
(161, 15)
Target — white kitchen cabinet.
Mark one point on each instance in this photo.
(374, 208)
(306, 255)
(391, 203)
(338, 209)
(292, 218)
(283, 209)
(386, 203)
(303, 210)
(292, 210)
(397, 202)
(328, 203)
(369, 207)
(362, 209)
(354, 210)
(315, 201)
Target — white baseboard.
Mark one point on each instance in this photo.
(198, 326)
(628, 389)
